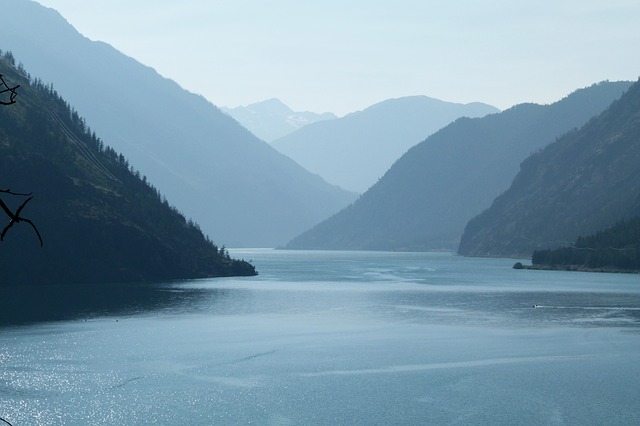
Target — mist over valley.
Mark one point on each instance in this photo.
(335, 213)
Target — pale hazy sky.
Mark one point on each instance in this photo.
(344, 55)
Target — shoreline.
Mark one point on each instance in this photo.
(575, 268)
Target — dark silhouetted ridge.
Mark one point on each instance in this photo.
(100, 220)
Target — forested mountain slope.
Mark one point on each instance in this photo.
(99, 220)
(237, 187)
(584, 182)
(614, 249)
(427, 197)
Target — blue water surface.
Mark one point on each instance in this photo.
(327, 338)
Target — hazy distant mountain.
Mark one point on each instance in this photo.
(100, 222)
(271, 119)
(239, 189)
(355, 150)
(584, 182)
(425, 200)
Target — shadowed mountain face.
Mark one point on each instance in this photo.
(354, 151)
(239, 189)
(425, 200)
(584, 182)
(100, 221)
(271, 119)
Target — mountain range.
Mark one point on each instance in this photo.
(238, 188)
(354, 151)
(98, 220)
(427, 197)
(584, 182)
(272, 119)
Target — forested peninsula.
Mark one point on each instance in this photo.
(615, 249)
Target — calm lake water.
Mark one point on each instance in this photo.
(328, 338)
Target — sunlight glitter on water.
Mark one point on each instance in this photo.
(428, 341)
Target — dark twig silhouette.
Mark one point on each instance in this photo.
(4, 88)
(3, 420)
(15, 217)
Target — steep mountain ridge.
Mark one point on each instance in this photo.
(240, 190)
(584, 182)
(427, 197)
(100, 221)
(354, 151)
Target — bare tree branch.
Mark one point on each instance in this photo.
(4, 88)
(8, 191)
(16, 218)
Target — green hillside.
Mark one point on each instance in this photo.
(584, 182)
(100, 220)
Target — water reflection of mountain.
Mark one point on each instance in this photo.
(32, 304)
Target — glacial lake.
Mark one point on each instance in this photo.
(328, 338)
